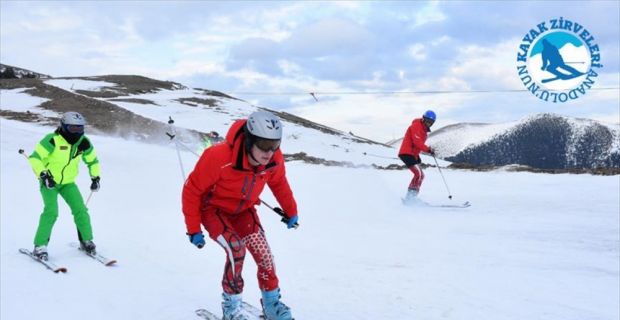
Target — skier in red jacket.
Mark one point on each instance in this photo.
(221, 194)
(413, 143)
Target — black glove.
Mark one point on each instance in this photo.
(95, 185)
(431, 151)
(47, 180)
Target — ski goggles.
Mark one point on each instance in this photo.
(74, 128)
(428, 122)
(267, 145)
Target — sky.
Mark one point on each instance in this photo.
(374, 66)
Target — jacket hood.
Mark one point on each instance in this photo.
(235, 132)
(235, 139)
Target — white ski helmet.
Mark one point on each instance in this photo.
(264, 125)
(72, 118)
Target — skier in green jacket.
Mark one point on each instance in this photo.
(209, 139)
(55, 162)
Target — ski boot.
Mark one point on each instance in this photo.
(411, 197)
(40, 252)
(88, 247)
(231, 307)
(273, 308)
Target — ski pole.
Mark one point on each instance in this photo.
(279, 211)
(90, 195)
(442, 177)
(21, 151)
(182, 144)
(172, 136)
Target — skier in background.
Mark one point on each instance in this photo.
(221, 194)
(413, 143)
(209, 139)
(55, 162)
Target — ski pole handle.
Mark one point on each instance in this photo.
(285, 219)
(21, 151)
(279, 211)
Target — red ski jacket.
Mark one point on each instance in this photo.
(415, 139)
(224, 178)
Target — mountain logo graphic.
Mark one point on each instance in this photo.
(557, 61)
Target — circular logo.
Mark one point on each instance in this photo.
(556, 60)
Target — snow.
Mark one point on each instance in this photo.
(18, 100)
(207, 118)
(579, 127)
(79, 84)
(532, 246)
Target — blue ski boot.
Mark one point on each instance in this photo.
(273, 308)
(231, 307)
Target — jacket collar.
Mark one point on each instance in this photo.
(68, 137)
(421, 120)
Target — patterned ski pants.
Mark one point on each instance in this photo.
(236, 234)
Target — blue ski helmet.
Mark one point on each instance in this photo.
(430, 115)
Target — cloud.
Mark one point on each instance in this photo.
(329, 37)
(338, 48)
(417, 51)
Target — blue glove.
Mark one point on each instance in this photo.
(292, 222)
(197, 239)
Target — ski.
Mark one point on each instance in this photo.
(206, 314)
(49, 265)
(249, 310)
(465, 204)
(98, 257)
(253, 311)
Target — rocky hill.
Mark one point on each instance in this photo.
(11, 72)
(543, 141)
(139, 108)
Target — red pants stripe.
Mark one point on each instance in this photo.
(236, 234)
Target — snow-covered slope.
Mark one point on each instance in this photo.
(452, 139)
(531, 245)
(202, 111)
